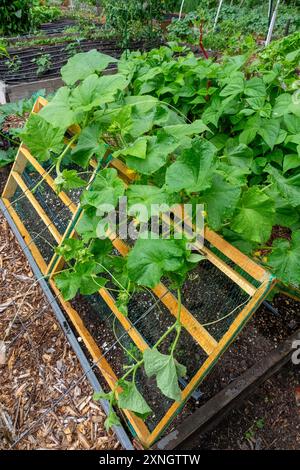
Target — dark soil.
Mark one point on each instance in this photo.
(4, 172)
(269, 419)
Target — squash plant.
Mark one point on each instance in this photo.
(194, 131)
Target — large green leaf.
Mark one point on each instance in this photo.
(107, 187)
(285, 259)
(255, 216)
(158, 149)
(137, 149)
(235, 86)
(145, 196)
(289, 188)
(89, 144)
(131, 399)
(292, 123)
(69, 179)
(150, 259)
(58, 111)
(220, 200)
(83, 278)
(281, 105)
(290, 162)
(269, 130)
(95, 91)
(42, 138)
(90, 283)
(213, 112)
(68, 283)
(166, 371)
(193, 170)
(181, 130)
(84, 64)
(250, 129)
(286, 216)
(255, 87)
(239, 155)
(87, 224)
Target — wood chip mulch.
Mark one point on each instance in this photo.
(38, 367)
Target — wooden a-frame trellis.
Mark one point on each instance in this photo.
(236, 263)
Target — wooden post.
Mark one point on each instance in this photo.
(287, 27)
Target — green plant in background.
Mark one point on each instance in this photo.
(128, 16)
(43, 63)
(13, 63)
(284, 55)
(185, 29)
(72, 48)
(3, 50)
(236, 23)
(44, 14)
(9, 139)
(23, 16)
(15, 17)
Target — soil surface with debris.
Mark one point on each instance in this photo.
(38, 367)
(269, 419)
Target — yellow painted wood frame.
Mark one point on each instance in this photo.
(214, 349)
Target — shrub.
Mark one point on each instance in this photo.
(15, 17)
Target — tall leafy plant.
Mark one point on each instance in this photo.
(15, 17)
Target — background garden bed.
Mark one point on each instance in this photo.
(59, 55)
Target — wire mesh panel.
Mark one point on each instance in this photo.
(218, 298)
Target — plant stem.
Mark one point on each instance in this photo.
(42, 180)
(9, 139)
(119, 342)
(177, 325)
(112, 276)
(60, 158)
(266, 187)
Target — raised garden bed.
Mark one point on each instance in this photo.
(254, 343)
(230, 286)
(58, 56)
(102, 328)
(46, 30)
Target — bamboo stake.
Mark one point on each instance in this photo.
(181, 8)
(271, 27)
(218, 14)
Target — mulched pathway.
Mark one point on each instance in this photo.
(39, 366)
